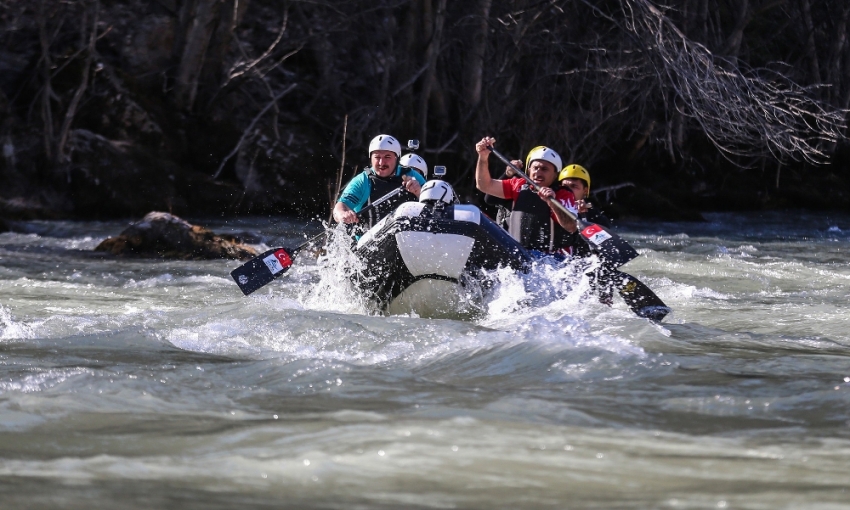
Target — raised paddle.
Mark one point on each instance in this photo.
(609, 246)
(272, 264)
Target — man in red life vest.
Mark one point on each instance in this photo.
(534, 221)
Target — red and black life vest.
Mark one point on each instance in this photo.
(532, 225)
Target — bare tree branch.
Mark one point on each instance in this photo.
(250, 128)
(84, 82)
(745, 112)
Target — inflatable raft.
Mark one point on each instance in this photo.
(432, 257)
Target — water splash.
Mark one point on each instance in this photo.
(332, 289)
(12, 330)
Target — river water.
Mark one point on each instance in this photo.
(155, 384)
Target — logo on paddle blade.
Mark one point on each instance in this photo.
(595, 234)
(243, 279)
(278, 261)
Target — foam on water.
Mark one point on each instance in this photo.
(168, 279)
(329, 320)
(330, 288)
(11, 329)
(42, 380)
(136, 384)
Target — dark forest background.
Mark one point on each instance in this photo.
(113, 108)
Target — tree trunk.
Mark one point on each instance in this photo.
(388, 67)
(838, 49)
(431, 73)
(198, 21)
(475, 56)
(84, 83)
(845, 101)
(230, 15)
(47, 91)
(733, 42)
(811, 49)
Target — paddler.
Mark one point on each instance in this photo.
(535, 222)
(604, 279)
(383, 176)
(577, 179)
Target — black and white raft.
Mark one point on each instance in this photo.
(431, 257)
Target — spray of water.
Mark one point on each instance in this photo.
(331, 287)
(11, 329)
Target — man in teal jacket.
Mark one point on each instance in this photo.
(382, 177)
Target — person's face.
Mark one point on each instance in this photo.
(384, 162)
(542, 173)
(575, 185)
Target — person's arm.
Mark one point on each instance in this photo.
(509, 172)
(506, 203)
(483, 180)
(561, 217)
(352, 199)
(565, 221)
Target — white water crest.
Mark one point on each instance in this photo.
(137, 383)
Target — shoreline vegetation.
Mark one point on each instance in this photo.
(112, 109)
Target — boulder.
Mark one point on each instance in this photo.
(163, 235)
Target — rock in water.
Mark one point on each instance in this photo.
(161, 234)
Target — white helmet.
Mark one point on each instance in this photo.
(386, 143)
(414, 161)
(546, 154)
(437, 191)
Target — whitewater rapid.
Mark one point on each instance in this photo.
(144, 383)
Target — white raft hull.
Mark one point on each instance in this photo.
(430, 259)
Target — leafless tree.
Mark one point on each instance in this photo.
(617, 85)
(745, 112)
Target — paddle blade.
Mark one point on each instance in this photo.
(262, 269)
(641, 299)
(610, 247)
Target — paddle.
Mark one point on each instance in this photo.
(638, 297)
(609, 246)
(272, 264)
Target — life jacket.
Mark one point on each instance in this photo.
(503, 209)
(531, 223)
(380, 186)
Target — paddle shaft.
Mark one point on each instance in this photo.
(363, 211)
(273, 263)
(558, 205)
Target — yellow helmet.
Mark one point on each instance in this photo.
(543, 153)
(575, 172)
